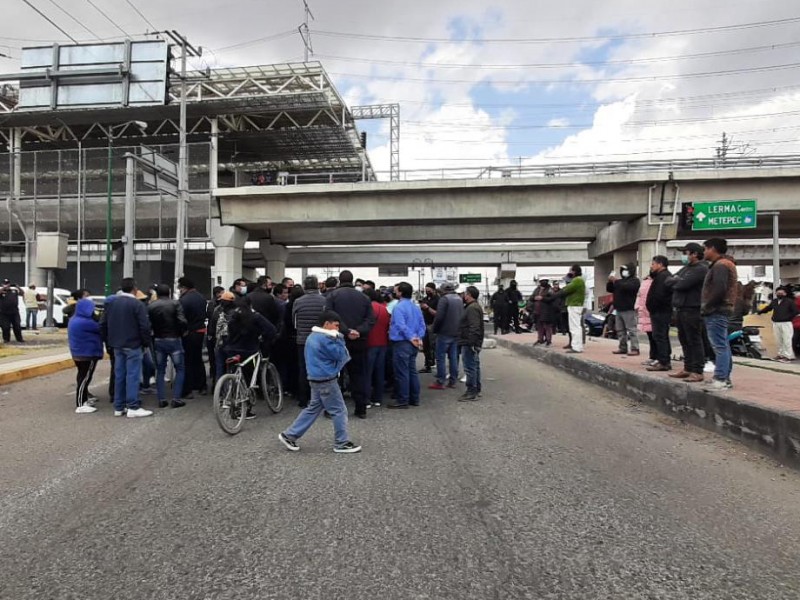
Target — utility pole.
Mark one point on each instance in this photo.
(305, 34)
(724, 146)
(183, 160)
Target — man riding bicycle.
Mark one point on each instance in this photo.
(248, 333)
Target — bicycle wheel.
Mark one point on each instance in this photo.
(229, 404)
(271, 388)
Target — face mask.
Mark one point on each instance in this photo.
(625, 273)
(780, 296)
(359, 288)
(685, 259)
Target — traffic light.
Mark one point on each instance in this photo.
(687, 216)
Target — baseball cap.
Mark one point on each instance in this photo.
(693, 247)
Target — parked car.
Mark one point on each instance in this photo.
(60, 299)
(593, 323)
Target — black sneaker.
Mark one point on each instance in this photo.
(178, 403)
(468, 396)
(347, 448)
(291, 445)
(250, 414)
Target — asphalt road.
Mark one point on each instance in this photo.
(545, 488)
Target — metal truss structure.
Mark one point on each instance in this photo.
(385, 111)
(286, 117)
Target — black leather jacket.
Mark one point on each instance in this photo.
(167, 318)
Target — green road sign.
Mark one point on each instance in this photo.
(469, 278)
(724, 214)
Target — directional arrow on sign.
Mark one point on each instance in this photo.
(701, 216)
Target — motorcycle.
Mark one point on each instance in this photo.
(746, 342)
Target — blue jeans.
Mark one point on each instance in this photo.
(717, 328)
(127, 375)
(148, 367)
(169, 348)
(31, 318)
(446, 345)
(472, 367)
(376, 372)
(324, 396)
(406, 386)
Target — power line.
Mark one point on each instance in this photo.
(268, 38)
(138, 12)
(49, 20)
(80, 23)
(571, 81)
(726, 96)
(109, 19)
(552, 40)
(632, 61)
(461, 125)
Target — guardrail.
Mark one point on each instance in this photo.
(597, 168)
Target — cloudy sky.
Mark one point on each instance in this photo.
(501, 83)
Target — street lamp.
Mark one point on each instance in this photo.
(110, 189)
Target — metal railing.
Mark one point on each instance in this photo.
(596, 168)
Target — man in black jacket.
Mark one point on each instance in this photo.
(687, 286)
(625, 290)
(264, 302)
(194, 309)
(9, 311)
(355, 310)
(513, 298)
(659, 304)
(470, 340)
(499, 312)
(784, 310)
(306, 311)
(169, 325)
(428, 305)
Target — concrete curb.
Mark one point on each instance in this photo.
(46, 368)
(772, 431)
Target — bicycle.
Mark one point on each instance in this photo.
(234, 395)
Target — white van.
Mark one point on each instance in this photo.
(60, 300)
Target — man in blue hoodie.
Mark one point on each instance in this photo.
(326, 355)
(126, 329)
(86, 346)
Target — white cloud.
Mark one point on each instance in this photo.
(662, 109)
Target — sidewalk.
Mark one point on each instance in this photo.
(41, 354)
(762, 409)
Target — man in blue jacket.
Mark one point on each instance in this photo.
(326, 355)
(126, 329)
(406, 332)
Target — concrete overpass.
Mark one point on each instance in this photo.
(627, 216)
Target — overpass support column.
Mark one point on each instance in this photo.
(275, 258)
(228, 245)
(603, 265)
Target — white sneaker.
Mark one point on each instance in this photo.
(120, 413)
(709, 368)
(92, 400)
(85, 409)
(463, 379)
(718, 385)
(139, 412)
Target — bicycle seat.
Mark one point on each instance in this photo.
(233, 360)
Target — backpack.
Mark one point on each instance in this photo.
(222, 330)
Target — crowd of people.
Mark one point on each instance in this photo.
(311, 332)
(705, 301)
